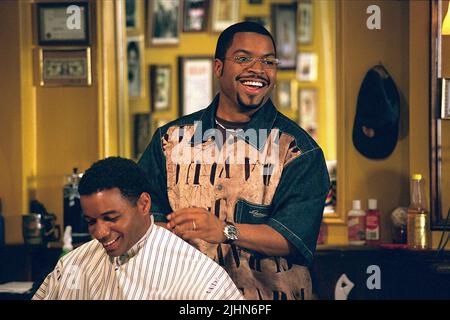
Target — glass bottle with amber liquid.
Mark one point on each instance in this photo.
(418, 229)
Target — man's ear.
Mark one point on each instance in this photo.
(144, 202)
(218, 67)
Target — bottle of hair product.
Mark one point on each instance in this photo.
(356, 222)
(373, 223)
(417, 229)
(2, 226)
(67, 244)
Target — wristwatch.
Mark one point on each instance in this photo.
(231, 233)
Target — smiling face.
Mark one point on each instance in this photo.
(114, 221)
(242, 87)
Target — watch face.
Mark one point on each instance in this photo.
(231, 232)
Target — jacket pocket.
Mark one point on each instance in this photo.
(246, 212)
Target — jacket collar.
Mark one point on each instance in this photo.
(263, 119)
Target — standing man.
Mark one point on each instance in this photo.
(131, 258)
(240, 181)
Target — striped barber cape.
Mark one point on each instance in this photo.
(160, 266)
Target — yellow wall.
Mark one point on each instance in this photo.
(44, 131)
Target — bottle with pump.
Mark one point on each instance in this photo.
(2, 226)
(373, 223)
(73, 215)
(417, 229)
(356, 222)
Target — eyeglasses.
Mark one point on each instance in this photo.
(246, 61)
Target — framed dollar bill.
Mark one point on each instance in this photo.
(65, 67)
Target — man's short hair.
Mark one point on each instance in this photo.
(226, 37)
(115, 172)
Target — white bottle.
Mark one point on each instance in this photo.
(356, 223)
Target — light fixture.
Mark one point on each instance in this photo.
(446, 23)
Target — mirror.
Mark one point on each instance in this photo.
(439, 121)
(306, 85)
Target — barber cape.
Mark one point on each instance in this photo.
(160, 266)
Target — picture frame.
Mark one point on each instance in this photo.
(286, 95)
(135, 66)
(133, 15)
(160, 87)
(63, 23)
(307, 106)
(255, 1)
(224, 14)
(65, 67)
(164, 24)
(284, 27)
(307, 66)
(196, 83)
(445, 99)
(142, 133)
(305, 22)
(195, 15)
(264, 21)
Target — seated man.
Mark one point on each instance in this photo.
(131, 258)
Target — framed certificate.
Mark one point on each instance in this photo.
(63, 23)
(195, 76)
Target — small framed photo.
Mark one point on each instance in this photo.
(63, 23)
(160, 84)
(135, 64)
(196, 83)
(305, 22)
(445, 101)
(264, 21)
(65, 67)
(224, 14)
(195, 15)
(133, 15)
(307, 66)
(142, 133)
(164, 22)
(286, 95)
(284, 24)
(254, 1)
(307, 101)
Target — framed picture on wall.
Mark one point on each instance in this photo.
(307, 66)
(286, 97)
(65, 67)
(284, 24)
(164, 22)
(195, 15)
(307, 101)
(135, 63)
(63, 23)
(142, 133)
(224, 14)
(160, 84)
(305, 22)
(195, 76)
(445, 100)
(134, 15)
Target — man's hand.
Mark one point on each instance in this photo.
(196, 223)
